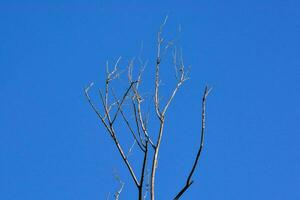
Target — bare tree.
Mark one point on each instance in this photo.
(114, 107)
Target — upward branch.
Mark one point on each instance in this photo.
(161, 113)
(189, 180)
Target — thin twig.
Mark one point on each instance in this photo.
(118, 192)
(137, 121)
(128, 124)
(111, 130)
(140, 117)
(131, 148)
(94, 107)
(105, 107)
(122, 101)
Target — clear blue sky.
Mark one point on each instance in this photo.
(51, 144)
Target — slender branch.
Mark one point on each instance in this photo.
(171, 97)
(118, 192)
(109, 77)
(105, 107)
(109, 107)
(189, 180)
(94, 107)
(137, 108)
(143, 172)
(143, 125)
(140, 117)
(128, 124)
(130, 149)
(122, 101)
(114, 137)
(137, 121)
(147, 186)
(132, 132)
(158, 61)
(181, 79)
(125, 159)
(161, 114)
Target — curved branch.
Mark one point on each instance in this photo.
(189, 180)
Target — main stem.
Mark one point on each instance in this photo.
(155, 158)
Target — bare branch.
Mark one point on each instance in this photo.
(158, 112)
(122, 101)
(109, 107)
(130, 70)
(109, 77)
(138, 111)
(128, 124)
(155, 157)
(189, 182)
(113, 74)
(181, 76)
(174, 54)
(137, 105)
(143, 124)
(125, 158)
(118, 192)
(171, 97)
(105, 107)
(137, 121)
(94, 107)
(143, 172)
(131, 148)
(113, 135)
(147, 185)
(158, 61)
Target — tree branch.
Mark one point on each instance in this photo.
(125, 159)
(158, 61)
(118, 192)
(110, 129)
(140, 117)
(189, 182)
(94, 107)
(128, 125)
(143, 172)
(155, 158)
(137, 121)
(122, 101)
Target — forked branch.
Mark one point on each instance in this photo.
(161, 112)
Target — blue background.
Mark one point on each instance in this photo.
(51, 144)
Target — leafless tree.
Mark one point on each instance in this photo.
(138, 127)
